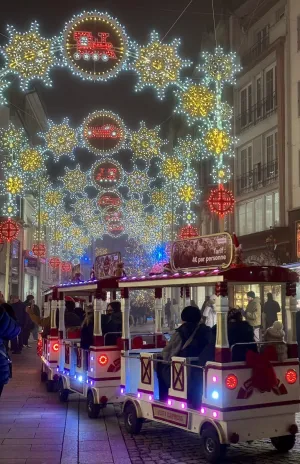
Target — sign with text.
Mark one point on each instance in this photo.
(106, 265)
(171, 416)
(202, 252)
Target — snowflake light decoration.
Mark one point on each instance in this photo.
(66, 220)
(188, 149)
(221, 173)
(53, 198)
(196, 102)
(12, 140)
(31, 161)
(74, 181)
(146, 143)
(151, 220)
(61, 139)
(138, 183)
(28, 55)
(217, 141)
(14, 184)
(186, 193)
(10, 208)
(159, 198)
(220, 67)
(84, 207)
(158, 65)
(40, 183)
(172, 168)
(96, 228)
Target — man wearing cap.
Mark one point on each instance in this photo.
(253, 314)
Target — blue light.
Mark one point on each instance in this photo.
(215, 395)
(80, 378)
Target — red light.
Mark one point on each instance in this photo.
(231, 382)
(55, 347)
(103, 360)
(291, 376)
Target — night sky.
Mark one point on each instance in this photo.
(73, 98)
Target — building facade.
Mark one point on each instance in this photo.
(26, 273)
(266, 112)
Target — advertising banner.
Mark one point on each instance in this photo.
(106, 265)
(208, 251)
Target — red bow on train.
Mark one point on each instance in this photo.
(263, 375)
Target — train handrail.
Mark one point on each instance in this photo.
(258, 343)
(161, 361)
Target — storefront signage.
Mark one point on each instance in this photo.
(208, 251)
(31, 263)
(106, 265)
(298, 239)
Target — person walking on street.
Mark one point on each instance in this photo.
(20, 312)
(9, 329)
(271, 309)
(253, 314)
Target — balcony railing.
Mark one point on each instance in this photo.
(255, 51)
(258, 112)
(261, 176)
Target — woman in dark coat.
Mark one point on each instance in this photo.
(87, 329)
(239, 331)
(112, 324)
(9, 329)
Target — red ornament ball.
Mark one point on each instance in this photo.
(39, 250)
(66, 266)
(9, 229)
(54, 262)
(188, 232)
(221, 201)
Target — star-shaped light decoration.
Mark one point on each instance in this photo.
(28, 55)
(221, 173)
(14, 184)
(217, 142)
(188, 148)
(61, 139)
(172, 168)
(158, 65)
(138, 183)
(159, 198)
(12, 140)
(66, 220)
(10, 208)
(220, 67)
(146, 143)
(52, 198)
(96, 227)
(195, 101)
(74, 181)
(31, 161)
(84, 207)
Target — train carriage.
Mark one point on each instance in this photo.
(234, 406)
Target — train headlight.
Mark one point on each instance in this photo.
(291, 376)
(231, 382)
(103, 360)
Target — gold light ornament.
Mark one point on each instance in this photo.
(159, 198)
(14, 184)
(31, 160)
(217, 141)
(146, 143)
(172, 168)
(61, 139)
(74, 181)
(186, 193)
(53, 198)
(195, 101)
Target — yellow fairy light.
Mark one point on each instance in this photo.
(168, 218)
(12, 139)
(14, 185)
(186, 193)
(217, 141)
(44, 217)
(75, 232)
(29, 55)
(58, 236)
(31, 160)
(197, 101)
(84, 241)
(159, 198)
(53, 198)
(151, 221)
(74, 181)
(146, 143)
(66, 220)
(172, 168)
(61, 139)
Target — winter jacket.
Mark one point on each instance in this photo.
(71, 320)
(175, 347)
(240, 332)
(271, 308)
(8, 308)
(20, 312)
(253, 312)
(113, 323)
(87, 333)
(9, 329)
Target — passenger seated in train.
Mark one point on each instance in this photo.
(87, 328)
(112, 323)
(78, 310)
(239, 331)
(189, 340)
(276, 334)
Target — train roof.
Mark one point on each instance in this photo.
(85, 287)
(237, 275)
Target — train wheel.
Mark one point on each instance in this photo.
(92, 408)
(63, 393)
(212, 448)
(133, 424)
(50, 386)
(284, 444)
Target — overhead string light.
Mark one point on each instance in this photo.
(145, 143)
(74, 181)
(61, 139)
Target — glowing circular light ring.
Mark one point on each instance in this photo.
(9, 229)
(115, 131)
(114, 179)
(221, 201)
(86, 42)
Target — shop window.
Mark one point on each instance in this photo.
(276, 208)
(249, 218)
(242, 219)
(269, 211)
(259, 215)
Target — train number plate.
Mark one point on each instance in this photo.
(171, 416)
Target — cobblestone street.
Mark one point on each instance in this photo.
(36, 429)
